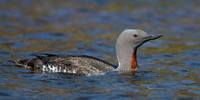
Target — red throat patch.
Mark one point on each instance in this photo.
(134, 65)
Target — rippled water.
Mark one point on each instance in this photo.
(169, 66)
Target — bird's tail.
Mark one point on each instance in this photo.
(22, 62)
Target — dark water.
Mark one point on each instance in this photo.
(169, 67)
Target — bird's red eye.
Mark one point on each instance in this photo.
(135, 35)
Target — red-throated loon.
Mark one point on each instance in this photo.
(126, 48)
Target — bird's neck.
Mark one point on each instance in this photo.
(127, 59)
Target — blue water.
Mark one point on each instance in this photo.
(169, 68)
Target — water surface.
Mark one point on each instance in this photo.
(169, 66)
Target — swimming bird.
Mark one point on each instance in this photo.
(126, 49)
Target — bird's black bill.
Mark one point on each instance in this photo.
(153, 37)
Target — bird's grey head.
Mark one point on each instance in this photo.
(135, 38)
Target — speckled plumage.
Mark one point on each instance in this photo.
(67, 64)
